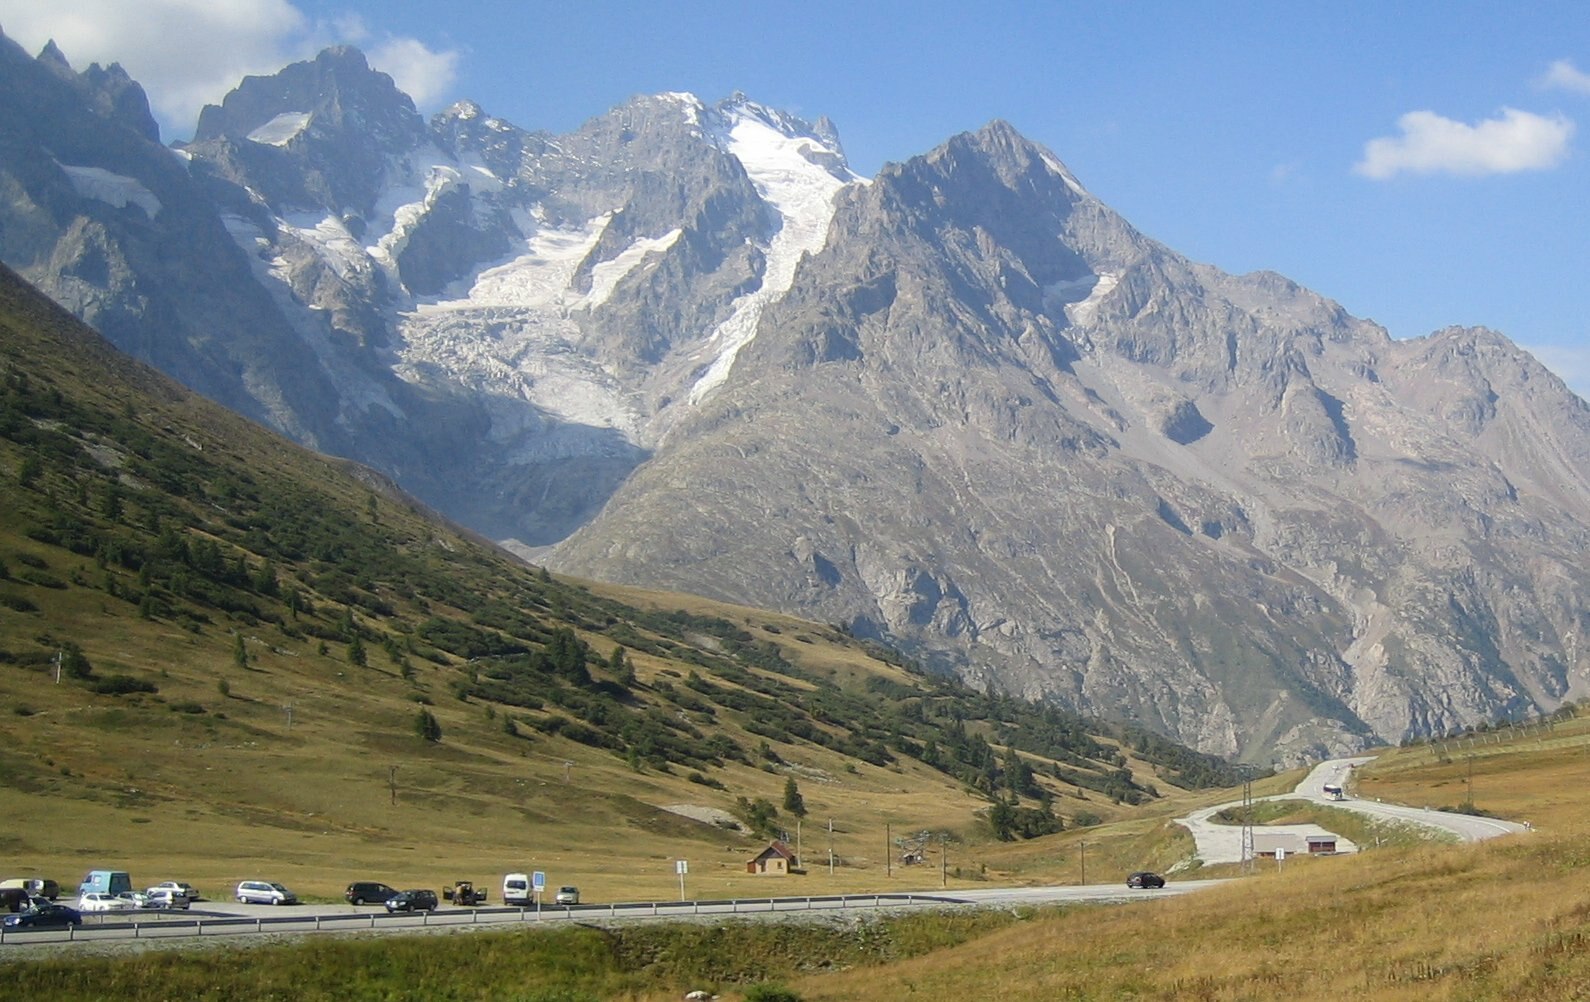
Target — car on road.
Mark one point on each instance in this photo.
(44, 916)
(138, 899)
(368, 892)
(1142, 878)
(567, 895)
(264, 892)
(165, 897)
(412, 901)
(99, 901)
(177, 888)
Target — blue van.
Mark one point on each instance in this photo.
(110, 882)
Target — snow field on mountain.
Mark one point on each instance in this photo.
(280, 130)
(113, 189)
(803, 194)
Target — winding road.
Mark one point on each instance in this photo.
(1221, 843)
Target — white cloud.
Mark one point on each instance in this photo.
(1564, 75)
(188, 53)
(424, 75)
(1430, 144)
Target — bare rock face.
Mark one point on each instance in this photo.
(962, 407)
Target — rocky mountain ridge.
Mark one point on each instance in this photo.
(963, 406)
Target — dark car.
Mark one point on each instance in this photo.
(1142, 878)
(44, 916)
(412, 901)
(368, 892)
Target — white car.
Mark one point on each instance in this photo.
(264, 892)
(99, 901)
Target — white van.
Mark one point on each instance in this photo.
(517, 890)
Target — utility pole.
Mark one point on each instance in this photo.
(888, 852)
(391, 782)
(1083, 847)
(1247, 824)
(830, 847)
(288, 709)
(944, 860)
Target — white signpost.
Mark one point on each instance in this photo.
(681, 867)
(538, 883)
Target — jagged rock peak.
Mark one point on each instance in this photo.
(1012, 154)
(337, 86)
(52, 57)
(111, 93)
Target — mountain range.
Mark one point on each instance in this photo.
(962, 406)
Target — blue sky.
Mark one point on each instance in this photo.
(1422, 163)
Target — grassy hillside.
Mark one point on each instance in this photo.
(1495, 922)
(225, 657)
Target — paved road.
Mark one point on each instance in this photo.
(210, 919)
(1223, 843)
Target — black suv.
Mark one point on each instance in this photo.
(412, 901)
(368, 892)
(1143, 878)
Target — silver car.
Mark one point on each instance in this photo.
(264, 892)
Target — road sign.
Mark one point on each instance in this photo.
(681, 867)
(538, 881)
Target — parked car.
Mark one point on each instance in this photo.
(567, 895)
(368, 892)
(35, 887)
(138, 898)
(1142, 878)
(99, 901)
(165, 897)
(44, 916)
(264, 892)
(177, 887)
(412, 901)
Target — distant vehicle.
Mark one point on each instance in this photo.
(464, 892)
(412, 901)
(165, 897)
(44, 916)
(1333, 792)
(138, 898)
(99, 901)
(1142, 878)
(34, 886)
(568, 895)
(368, 892)
(517, 890)
(105, 882)
(177, 887)
(264, 892)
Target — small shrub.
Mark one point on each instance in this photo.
(769, 991)
(23, 710)
(121, 685)
(16, 603)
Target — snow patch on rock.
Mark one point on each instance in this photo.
(802, 192)
(114, 189)
(280, 130)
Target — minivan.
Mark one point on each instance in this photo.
(110, 882)
(264, 892)
(516, 889)
(368, 892)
